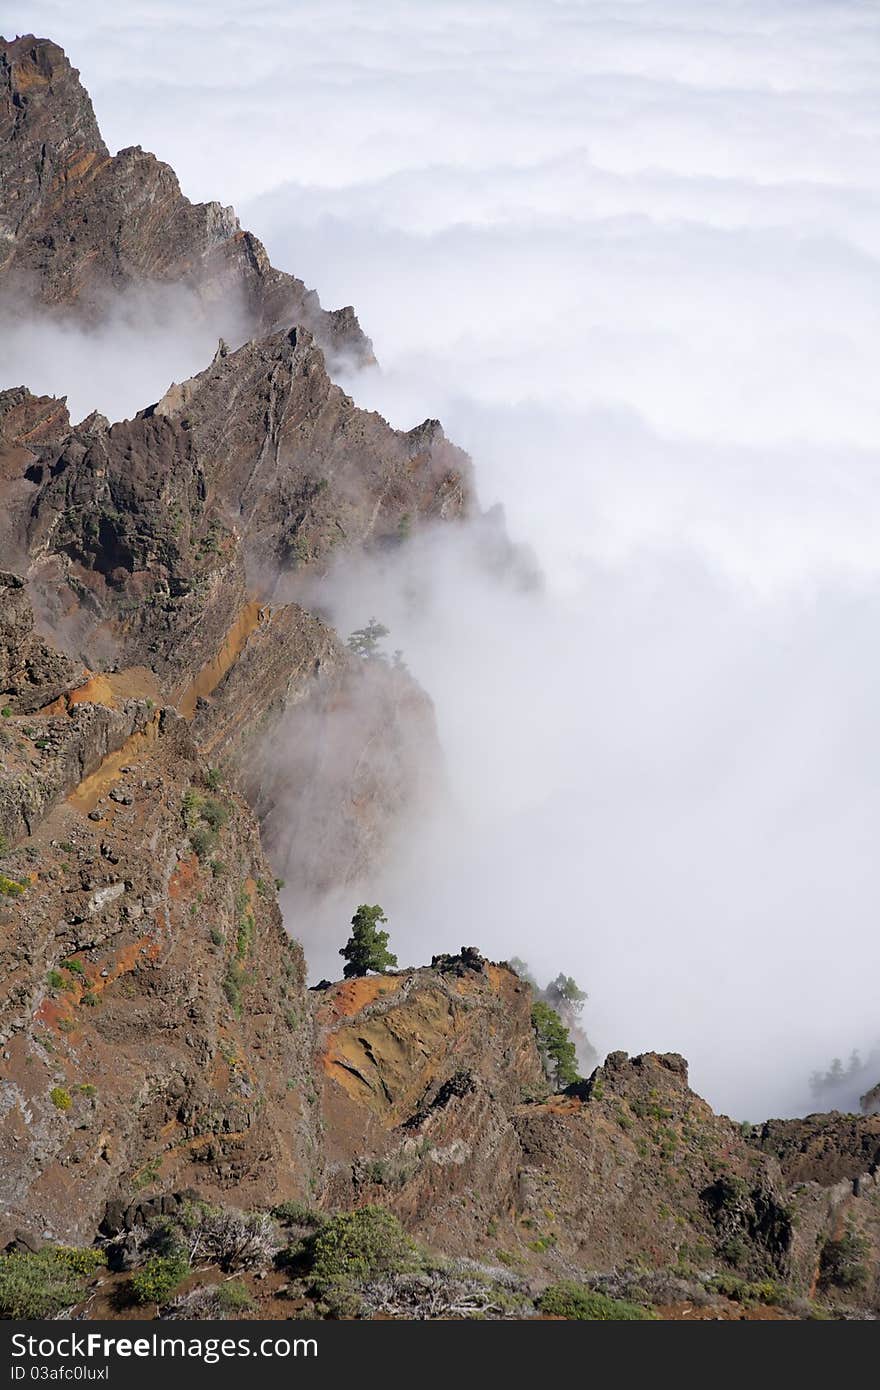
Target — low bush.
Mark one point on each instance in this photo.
(842, 1262)
(357, 1245)
(204, 817)
(297, 1214)
(37, 1286)
(578, 1303)
(232, 1239)
(203, 841)
(214, 813)
(158, 1279)
(747, 1291)
(233, 1298)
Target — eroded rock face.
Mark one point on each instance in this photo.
(79, 225)
(33, 673)
(337, 778)
(421, 1070)
(146, 539)
(432, 1106)
(823, 1148)
(152, 1009)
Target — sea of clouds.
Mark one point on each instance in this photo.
(627, 251)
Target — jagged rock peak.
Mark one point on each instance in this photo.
(79, 225)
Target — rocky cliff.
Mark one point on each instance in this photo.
(153, 1016)
(433, 1106)
(79, 225)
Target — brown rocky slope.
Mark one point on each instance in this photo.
(153, 1020)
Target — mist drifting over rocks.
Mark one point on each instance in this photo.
(628, 253)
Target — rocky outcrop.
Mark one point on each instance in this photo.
(633, 1164)
(79, 226)
(870, 1101)
(145, 539)
(432, 1106)
(421, 1070)
(153, 1006)
(32, 671)
(50, 757)
(823, 1148)
(298, 465)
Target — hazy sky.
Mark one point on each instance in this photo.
(628, 252)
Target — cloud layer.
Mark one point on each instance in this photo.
(628, 251)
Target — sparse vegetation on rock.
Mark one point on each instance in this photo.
(41, 1284)
(575, 1301)
(158, 1279)
(843, 1262)
(364, 642)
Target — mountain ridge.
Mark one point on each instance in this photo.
(166, 720)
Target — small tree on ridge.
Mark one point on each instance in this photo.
(367, 947)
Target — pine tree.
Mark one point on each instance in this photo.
(367, 947)
(565, 994)
(365, 641)
(554, 1044)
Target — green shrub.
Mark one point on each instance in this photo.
(744, 1291)
(85, 1260)
(55, 980)
(357, 1245)
(233, 1297)
(203, 841)
(214, 813)
(40, 1286)
(543, 1243)
(204, 817)
(60, 1098)
(158, 1279)
(234, 981)
(574, 1301)
(191, 805)
(10, 887)
(297, 1214)
(6, 712)
(842, 1262)
(244, 936)
(74, 966)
